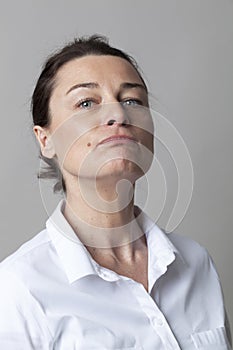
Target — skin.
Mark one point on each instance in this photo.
(74, 137)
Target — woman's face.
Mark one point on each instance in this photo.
(94, 98)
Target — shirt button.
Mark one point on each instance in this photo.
(157, 321)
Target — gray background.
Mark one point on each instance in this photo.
(185, 49)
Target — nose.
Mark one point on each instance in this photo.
(113, 121)
(115, 114)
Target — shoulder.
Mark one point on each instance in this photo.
(21, 264)
(198, 263)
(191, 250)
(15, 265)
(27, 249)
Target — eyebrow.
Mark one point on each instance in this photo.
(93, 85)
(127, 85)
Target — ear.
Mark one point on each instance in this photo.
(45, 142)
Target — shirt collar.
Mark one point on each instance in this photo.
(77, 261)
(75, 258)
(156, 237)
(161, 251)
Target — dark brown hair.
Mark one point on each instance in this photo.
(84, 46)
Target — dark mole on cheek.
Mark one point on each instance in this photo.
(88, 144)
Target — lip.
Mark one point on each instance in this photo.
(117, 138)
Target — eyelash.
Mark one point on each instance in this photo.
(133, 99)
(79, 103)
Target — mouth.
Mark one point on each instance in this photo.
(118, 139)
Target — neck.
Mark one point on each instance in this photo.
(105, 221)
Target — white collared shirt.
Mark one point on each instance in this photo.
(54, 296)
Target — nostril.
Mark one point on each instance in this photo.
(111, 122)
(124, 123)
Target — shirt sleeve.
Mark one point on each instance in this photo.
(227, 327)
(205, 312)
(23, 325)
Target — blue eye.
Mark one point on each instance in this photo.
(85, 104)
(132, 102)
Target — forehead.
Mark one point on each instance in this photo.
(96, 68)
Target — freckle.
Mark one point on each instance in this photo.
(89, 144)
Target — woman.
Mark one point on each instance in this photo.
(102, 275)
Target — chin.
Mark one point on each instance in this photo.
(119, 169)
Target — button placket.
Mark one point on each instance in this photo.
(157, 321)
(155, 316)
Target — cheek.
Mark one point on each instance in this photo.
(150, 142)
(75, 155)
(147, 139)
